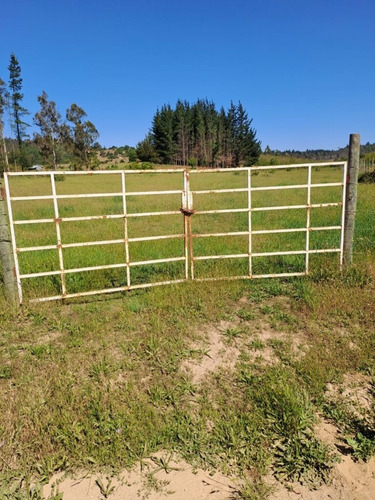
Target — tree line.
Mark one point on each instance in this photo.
(367, 151)
(57, 139)
(199, 135)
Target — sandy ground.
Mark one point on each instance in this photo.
(181, 482)
(350, 480)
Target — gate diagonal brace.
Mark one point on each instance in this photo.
(187, 211)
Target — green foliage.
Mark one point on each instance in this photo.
(80, 137)
(48, 120)
(5, 372)
(363, 446)
(192, 162)
(18, 112)
(304, 459)
(197, 134)
(367, 177)
(137, 165)
(105, 489)
(298, 455)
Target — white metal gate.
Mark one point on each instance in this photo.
(187, 236)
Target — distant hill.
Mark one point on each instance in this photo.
(321, 154)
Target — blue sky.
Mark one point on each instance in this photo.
(303, 69)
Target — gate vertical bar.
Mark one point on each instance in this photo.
(186, 229)
(58, 233)
(13, 236)
(249, 221)
(308, 218)
(126, 236)
(344, 177)
(190, 230)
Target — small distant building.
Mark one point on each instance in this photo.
(36, 167)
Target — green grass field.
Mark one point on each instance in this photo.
(100, 383)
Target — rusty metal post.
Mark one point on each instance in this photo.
(6, 254)
(351, 196)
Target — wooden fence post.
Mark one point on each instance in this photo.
(6, 254)
(351, 196)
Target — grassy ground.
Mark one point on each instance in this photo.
(101, 383)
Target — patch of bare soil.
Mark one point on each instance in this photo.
(216, 355)
(222, 343)
(356, 391)
(178, 481)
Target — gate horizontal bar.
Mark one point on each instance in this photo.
(96, 172)
(215, 191)
(288, 207)
(265, 254)
(107, 290)
(92, 195)
(246, 277)
(296, 186)
(101, 242)
(174, 170)
(155, 261)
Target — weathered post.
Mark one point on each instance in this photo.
(6, 255)
(351, 196)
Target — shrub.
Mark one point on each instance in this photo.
(367, 177)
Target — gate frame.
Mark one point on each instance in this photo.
(187, 211)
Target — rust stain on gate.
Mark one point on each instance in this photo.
(188, 212)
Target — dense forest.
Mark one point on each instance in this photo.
(199, 135)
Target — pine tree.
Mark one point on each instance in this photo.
(146, 151)
(162, 131)
(247, 147)
(4, 96)
(15, 85)
(182, 128)
(199, 133)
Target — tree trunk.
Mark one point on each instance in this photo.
(4, 147)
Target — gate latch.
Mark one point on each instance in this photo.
(187, 204)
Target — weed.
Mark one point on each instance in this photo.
(245, 314)
(232, 333)
(40, 351)
(256, 344)
(254, 490)
(5, 372)
(163, 464)
(105, 489)
(303, 459)
(363, 446)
